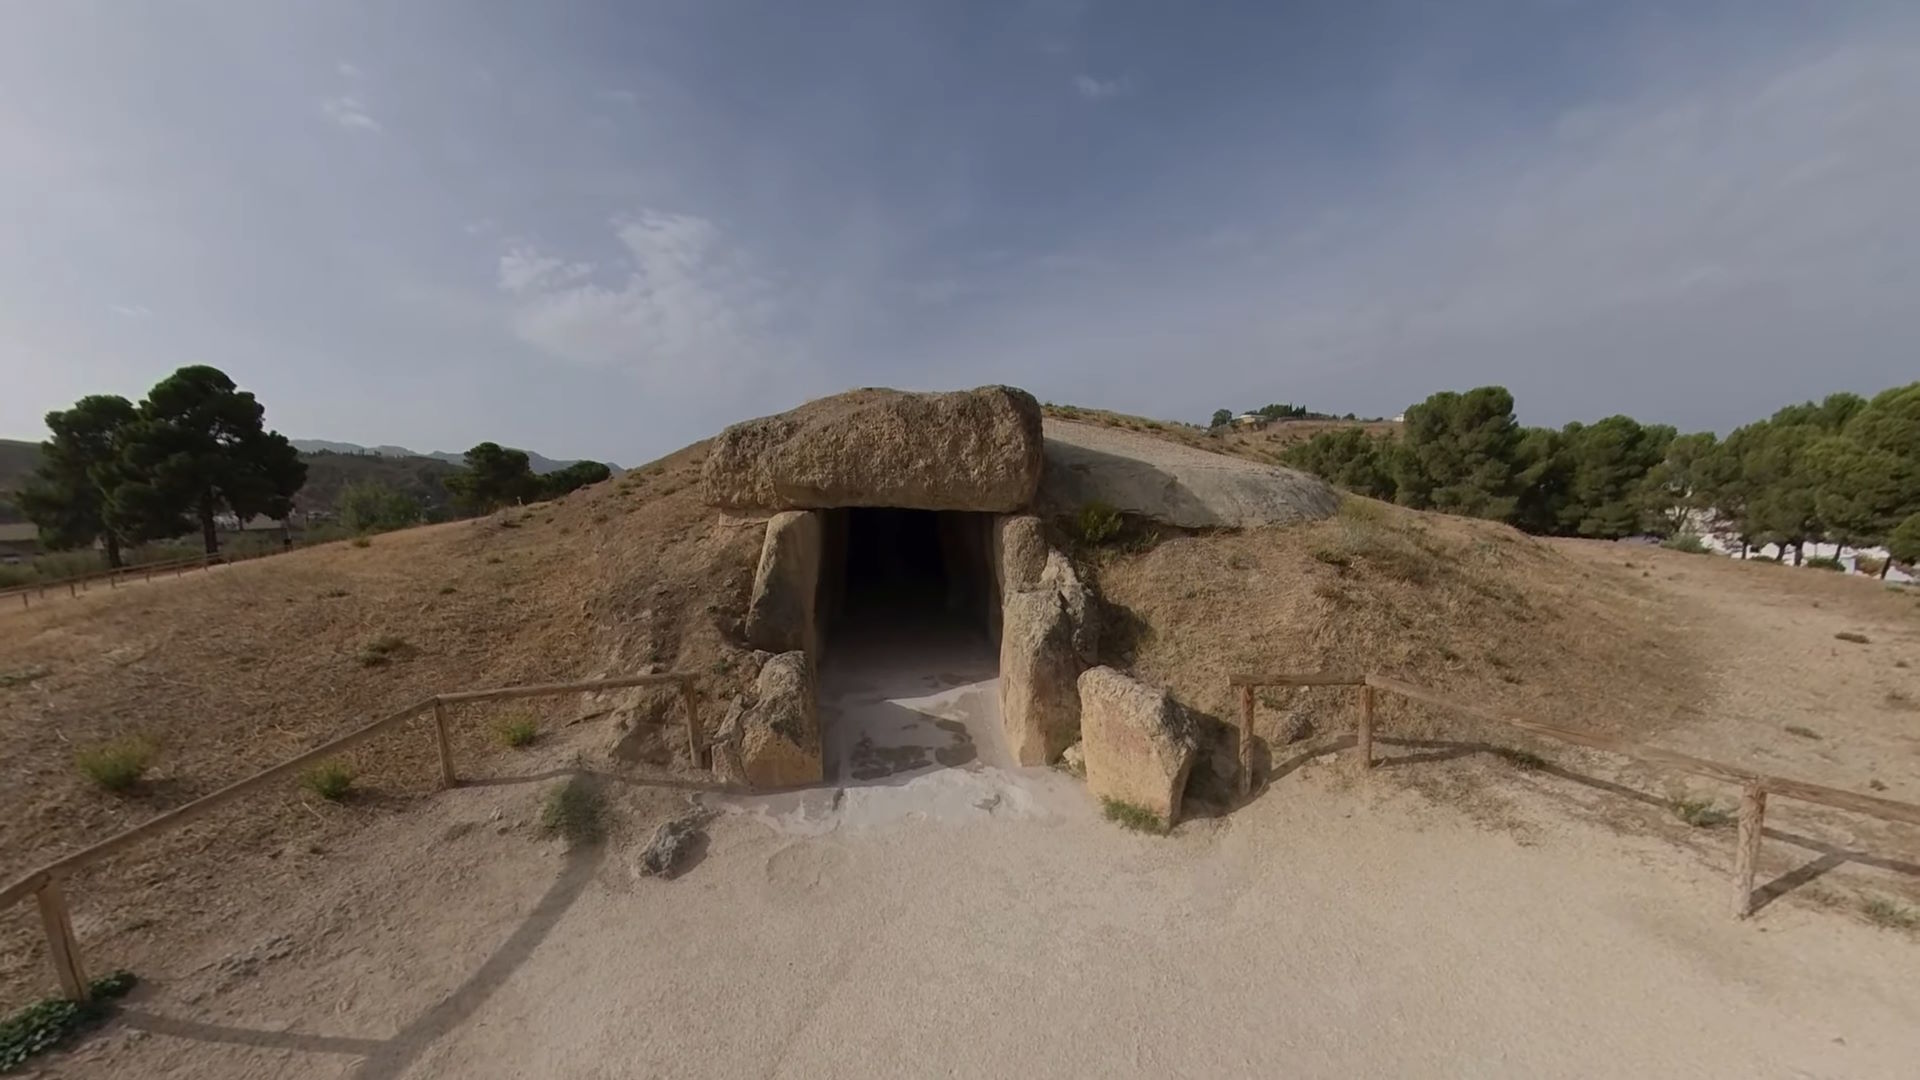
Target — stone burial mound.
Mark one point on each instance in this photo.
(887, 504)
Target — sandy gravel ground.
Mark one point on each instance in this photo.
(1338, 926)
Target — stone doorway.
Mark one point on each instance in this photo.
(909, 665)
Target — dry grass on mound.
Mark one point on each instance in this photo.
(1469, 607)
(233, 670)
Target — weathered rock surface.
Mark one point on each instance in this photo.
(964, 450)
(1020, 552)
(781, 616)
(1039, 673)
(672, 842)
(1173, 484)
(771, 738)
(1137, 743)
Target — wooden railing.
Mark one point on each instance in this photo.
(45, 883)
(80, 583)
(1754, 786)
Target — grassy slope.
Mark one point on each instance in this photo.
(626, 573)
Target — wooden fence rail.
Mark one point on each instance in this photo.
(45, 883)
(1754, 786)
(80, 583)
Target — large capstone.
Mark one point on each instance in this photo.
(974, 450)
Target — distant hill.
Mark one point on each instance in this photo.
(540, 463)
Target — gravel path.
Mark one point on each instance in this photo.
(1171, 483)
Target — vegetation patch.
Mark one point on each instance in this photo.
(1803, 732)
(361, 541)
(331, 780)
(22, 676)
(51, 1023)
(1850, 636)
(1687, 542)
(381, 650)
(1885, 913)
(1700, 813)
(573, 810)
(1824, 564)
(1095, 524)
(1129, 816)
(516, 731)
(116, 765)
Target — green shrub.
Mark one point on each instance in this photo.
(1687, 542)
(1095, 523)
(1129, 816)
(516, 731)
(331, 780)
(572, 810)
(1824, 564)
(371, 507)
(116, 765)
(380, 650)
(1700, 813)
(50, 1023)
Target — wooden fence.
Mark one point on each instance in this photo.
(45, 883)
(1754, 786)
(80, 583)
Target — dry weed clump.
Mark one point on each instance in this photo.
(119, 764)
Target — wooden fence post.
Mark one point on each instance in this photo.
(62, 949)
(1746, 856)
(447, 777)
(695, 750)
(1363, 738)
(1246, 739)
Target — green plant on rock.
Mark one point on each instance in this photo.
(1131, 816)
(1095, 523)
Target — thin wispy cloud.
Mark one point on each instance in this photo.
(131, 311)
(350, 113)
(1094, 89)
(348, 70)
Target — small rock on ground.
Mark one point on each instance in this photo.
(670, 842)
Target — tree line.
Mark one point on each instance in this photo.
(1843, 470)
(117, 474)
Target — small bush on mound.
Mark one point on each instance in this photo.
(331, 780)
(1883, 912)
(50, 1023)
(1700, 813)
(116, 765)
(1095, 524)
(573, 810)
(1129, 816)
(516, 731)
(1686, 542)
(361, 541)
(1825, 564)
(380, 650)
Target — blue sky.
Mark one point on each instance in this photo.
(609, 229)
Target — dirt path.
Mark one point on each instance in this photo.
(1335, 927)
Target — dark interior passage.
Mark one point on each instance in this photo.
(885, 566)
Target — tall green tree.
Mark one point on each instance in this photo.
(1543, 478)
(200, 445)
(67, 495)
(495, 476)
(1221, 417)
(1903, 543)
(1349, 458)
(1459, 453)
(573, 477)
(371, 506)
(1678, 491)
(1609, 462)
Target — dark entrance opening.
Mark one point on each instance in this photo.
(911, 618)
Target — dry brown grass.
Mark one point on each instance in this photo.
(1472, 608)
(243, 667)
